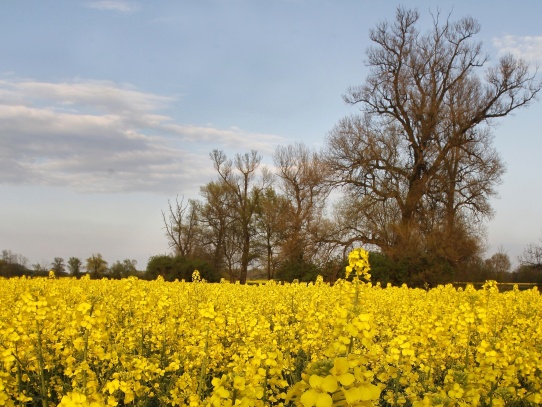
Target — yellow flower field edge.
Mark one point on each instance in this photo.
(68, 342)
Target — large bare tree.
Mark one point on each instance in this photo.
(418, 158)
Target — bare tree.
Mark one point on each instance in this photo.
(58, 265)
(232, 250)
(14, 258)
(181, 226)
(240, 177)
(217, 219)
(74, 265)
(419, 157)
(41, 267)
(123, 270)
(499, 263)
(532, 256)
(271, 219)
(302, 175)
(96, 266)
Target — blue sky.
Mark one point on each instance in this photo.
(110, 108)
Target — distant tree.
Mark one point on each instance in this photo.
(74, 266)
(13, 264)
(96, 266)
(532, 256)
(270, 222)
(10, 257)
(302, 176)
(217, 221)
(182, 227)
(129, 267)
(41, 268)
(416, 271)
(180, 268)
(240, 178)
(297, 269)
(499, 264)
(58, 266)
(12, 269)
(160, 265)
(123, 269)
(232, 250)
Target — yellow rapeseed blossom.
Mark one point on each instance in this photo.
(358, 262)
(69, 342)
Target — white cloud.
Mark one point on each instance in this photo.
(102, 95)
(98, 136)
(529, 47)
(115, 5)
(232, 138)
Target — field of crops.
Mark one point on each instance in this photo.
(89, 342)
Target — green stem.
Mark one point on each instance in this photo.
(356, 298)
(203, 370)
(264, 399)
(43, 386)
(467, 351)
(141, 344)
(396, 391)
(350, 345)
(396, 384)
(19, 372)
(85, 353)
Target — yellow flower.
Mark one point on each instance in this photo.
(239, 383)
(314, 398)
(317, 395)
(341, 373)
(112, 386)
(364, 392)
(358, 261)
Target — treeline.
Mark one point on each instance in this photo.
(16, 265)
(251, 219)
(96, 267)
(280, 222)
(176, 267)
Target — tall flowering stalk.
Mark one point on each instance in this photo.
(358, 262)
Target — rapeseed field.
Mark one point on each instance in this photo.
(69, 342)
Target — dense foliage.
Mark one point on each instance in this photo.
(84, 342)
(179, 268)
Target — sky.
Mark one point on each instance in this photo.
(109, 108)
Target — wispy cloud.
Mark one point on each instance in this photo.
(114, 5)
(229, 138)
(99, 136)
(529, 47)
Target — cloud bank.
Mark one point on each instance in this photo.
(114, 5)
(529, 47)
(102, 137)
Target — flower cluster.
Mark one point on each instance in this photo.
(358, 262)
